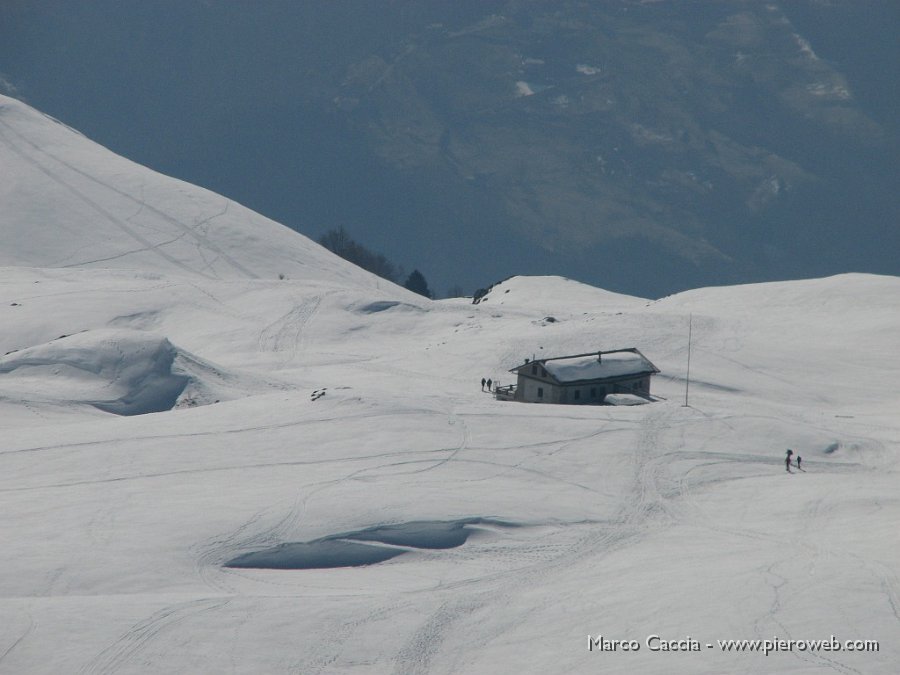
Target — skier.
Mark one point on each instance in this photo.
(489, 385)
(787, 460)
(482, 383)
(798, 462)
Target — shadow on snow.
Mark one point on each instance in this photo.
(382, 543)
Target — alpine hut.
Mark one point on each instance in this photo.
(581, 378)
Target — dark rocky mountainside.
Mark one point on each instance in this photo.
(645, 147)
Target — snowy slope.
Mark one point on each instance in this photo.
(543, 293)
(350, 415)
(68, 202)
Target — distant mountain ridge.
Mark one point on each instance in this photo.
(636, 143)
(645, 147)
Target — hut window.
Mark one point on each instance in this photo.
(540, 392)
(577, 394)
(534, 370)
(593, 392)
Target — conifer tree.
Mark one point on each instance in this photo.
(417, 284)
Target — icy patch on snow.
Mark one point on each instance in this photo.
(344, 550)
(315, 555)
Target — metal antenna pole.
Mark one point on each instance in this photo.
(687, 380)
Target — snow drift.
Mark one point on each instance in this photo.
(125, 372)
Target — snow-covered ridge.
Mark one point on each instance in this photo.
(840, 293)
(69, 202)
(549, 293)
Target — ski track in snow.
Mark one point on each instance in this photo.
(419, 652)
(420, 649)
(651, 499)
(286, 334)
(141, 636)
(146, 245)
(203, 243)
(21, 638)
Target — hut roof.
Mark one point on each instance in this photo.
(598, 365)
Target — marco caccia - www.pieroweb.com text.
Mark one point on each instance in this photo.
(656, 643)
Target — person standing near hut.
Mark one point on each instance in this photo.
(489, 382)
(482, 383)
(787, 460)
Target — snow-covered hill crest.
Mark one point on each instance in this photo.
(547, 293)
(68, 202)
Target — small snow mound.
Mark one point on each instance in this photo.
(624, 399)
(554, 294)
(121, 371)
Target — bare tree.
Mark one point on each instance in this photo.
(341, 243)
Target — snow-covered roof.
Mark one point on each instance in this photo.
(612, 364)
